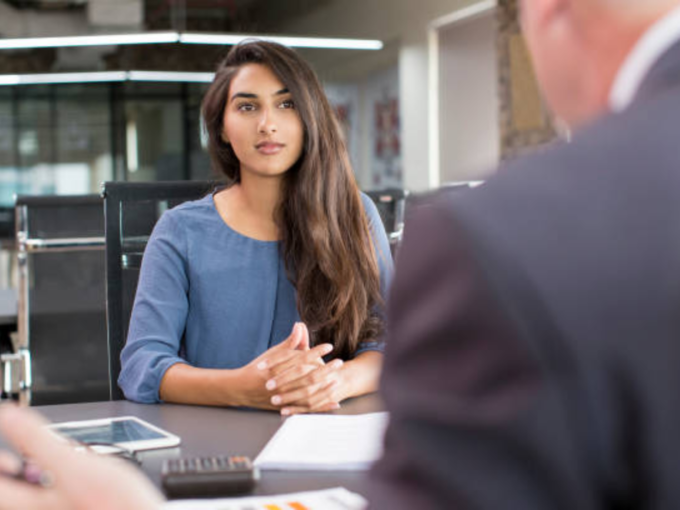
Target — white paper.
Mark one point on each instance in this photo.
(329, 499)
(325, 442)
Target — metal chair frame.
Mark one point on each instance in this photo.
(16, 366)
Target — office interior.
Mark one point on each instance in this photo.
(449, 94)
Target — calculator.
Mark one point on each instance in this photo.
(208, 477)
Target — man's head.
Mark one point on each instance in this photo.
(578, 47)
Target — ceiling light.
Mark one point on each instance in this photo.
(186, 38)
(10, 79)
(298, 42)
(105, 77)
(171, 76)
(89, 40)
(35, 79)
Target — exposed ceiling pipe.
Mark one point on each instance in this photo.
(178, 15)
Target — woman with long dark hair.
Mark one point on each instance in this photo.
(269, 292)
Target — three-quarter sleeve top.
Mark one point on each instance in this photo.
(213, 298)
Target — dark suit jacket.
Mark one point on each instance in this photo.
(533, 359)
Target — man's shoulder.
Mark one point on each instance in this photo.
(633, 149)
(617, 171)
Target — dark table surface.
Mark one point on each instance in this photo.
(207, 431)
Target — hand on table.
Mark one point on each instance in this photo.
(79, 480)
(294, 351)
(302, 383)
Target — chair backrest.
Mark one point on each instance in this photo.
(61, 350)
(131, 210)
(391, 204)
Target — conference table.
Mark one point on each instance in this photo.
(207, 431)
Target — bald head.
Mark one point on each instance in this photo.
(636, 11)
(636, 5)
(578, 47)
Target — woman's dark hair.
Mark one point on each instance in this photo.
(323, 228)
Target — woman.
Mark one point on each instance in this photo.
(267, 293)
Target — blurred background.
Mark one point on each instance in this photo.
(443, 91)
(425, 110)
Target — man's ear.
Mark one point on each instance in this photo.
(549, 11)
(555, 20)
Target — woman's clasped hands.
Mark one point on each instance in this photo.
(294, 378)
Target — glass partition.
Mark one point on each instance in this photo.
(67, 139)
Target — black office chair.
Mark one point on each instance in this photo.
(130, 211)
(391, 204)
(61, 350)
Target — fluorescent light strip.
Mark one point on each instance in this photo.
(104, 77)
(298, 42)
(36, 79)
(170, 76)
(10, 79)
(188, 38)
(89, 40)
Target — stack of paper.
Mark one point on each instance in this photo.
(325, 442)
(329, 499)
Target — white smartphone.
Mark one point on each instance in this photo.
(128, 432)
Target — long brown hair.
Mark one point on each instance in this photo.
(325, 240)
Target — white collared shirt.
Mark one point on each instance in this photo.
(650, 47)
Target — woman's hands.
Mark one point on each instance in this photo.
(292, 377)
(299, 381)
(294, 353)
(312, 389)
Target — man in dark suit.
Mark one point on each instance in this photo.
(533, 360)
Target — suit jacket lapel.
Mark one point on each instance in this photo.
(665, 75)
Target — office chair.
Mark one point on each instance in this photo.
(61, 350)
(391, 204)
(131, 210)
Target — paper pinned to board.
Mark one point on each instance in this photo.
(325, 442)
(338, 498)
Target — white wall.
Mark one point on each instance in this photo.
(404, 22)
(469, 135)
(386, 170)
(373, 171)
(347, 95)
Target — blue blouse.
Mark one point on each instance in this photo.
(213, 298)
